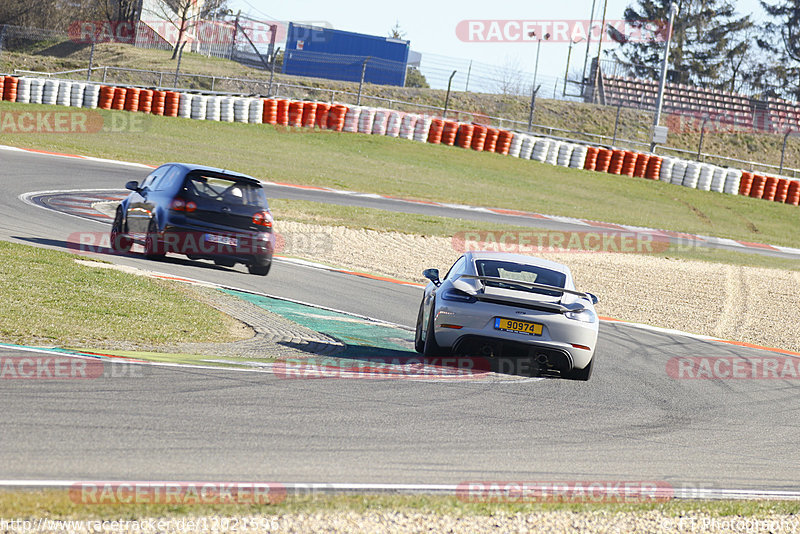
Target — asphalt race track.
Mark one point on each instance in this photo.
(630, 422)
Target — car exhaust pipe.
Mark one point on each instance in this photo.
(542, 359)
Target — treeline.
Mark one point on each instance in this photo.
(714, 46)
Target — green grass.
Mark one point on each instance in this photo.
(49, 299)
(56, 504)
(419, 170)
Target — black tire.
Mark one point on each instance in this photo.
(581, 374)
(153, 249)
(120, 242)
(432, 348)
(260, 270)
(419, 344)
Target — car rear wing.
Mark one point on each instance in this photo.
(532, 285)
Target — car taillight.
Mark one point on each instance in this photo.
(178, 204)
(263, 218)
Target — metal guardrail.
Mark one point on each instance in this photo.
(281, 88)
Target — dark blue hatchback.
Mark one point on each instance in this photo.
(200, 212)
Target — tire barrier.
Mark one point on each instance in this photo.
(146, 100)
(591, 158)
(464, 135)
(515, 147)
(50, 92)
(617, 161)
(336, 117)
(24, 90)
(718, 179)
(9, 89)
(604, 156)
(705, 174)
(365, 120)
(434, 130)
(770, 187)
(757, 189)
(782, 190)
(213, 107)
(746, 183)
(421, 128)
(185, 105)
(270, 113)
(564, 154)
(158, 102)
(678, 172)
(283, 112)
(351, 120)
(793, 194)
(629, 163)
(449, 133)
(2, 85)
(732, 180)
(393, 124)
(665, 174)
(478, 137)
(540, 150)
(380, 122)
(640, 168)
(172, 101)
(37, 91)
(119, 98)
(653, 170)
(255, 110)
(552, 152)
(526, 147)
(106, 98)
(76, 94)
(241, 109)
(490, 143)
(132, 100)
(309, 114)
(296, 114)
(578, 158)
(226, 109)
(199, 105)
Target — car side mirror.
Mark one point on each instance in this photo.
(432, 275)
(592, 297)
(133, 185)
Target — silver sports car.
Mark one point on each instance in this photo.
(510, 308)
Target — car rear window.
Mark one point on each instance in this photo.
(215, 190)
(517, 272)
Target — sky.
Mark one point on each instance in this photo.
(431, 27)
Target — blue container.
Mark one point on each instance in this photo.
(340, 55)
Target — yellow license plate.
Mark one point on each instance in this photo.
(523, 327)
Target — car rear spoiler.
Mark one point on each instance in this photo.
(532, 285)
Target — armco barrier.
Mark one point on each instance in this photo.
(339, 117)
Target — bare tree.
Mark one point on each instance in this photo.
(509, 78)
(186, 14)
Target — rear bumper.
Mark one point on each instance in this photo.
(248, 247)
